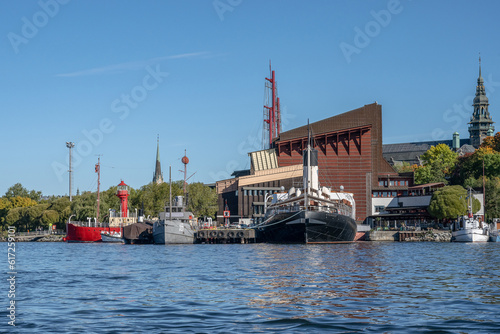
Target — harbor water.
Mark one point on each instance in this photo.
(374, 287)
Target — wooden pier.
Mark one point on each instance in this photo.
(225, 236)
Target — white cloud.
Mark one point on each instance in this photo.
(128, 66)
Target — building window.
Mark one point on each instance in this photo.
(245, 192)
(379, 208)
(391, 183)
(394, 194)
(385, 183)
(260, 192)
(380, 183)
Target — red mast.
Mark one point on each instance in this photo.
(185, 161)
(98, 171)
(272, 117)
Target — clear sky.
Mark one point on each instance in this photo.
(112, 75)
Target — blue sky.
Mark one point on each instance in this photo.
(112, 75)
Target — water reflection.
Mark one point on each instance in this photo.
(319, 280)
(379, 287)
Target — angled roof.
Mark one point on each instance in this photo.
(264, 159)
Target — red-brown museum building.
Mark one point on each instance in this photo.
(349, 154)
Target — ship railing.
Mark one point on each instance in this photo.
(119, 215)
(89, 224)
(43, 232)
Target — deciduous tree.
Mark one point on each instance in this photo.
(438, 163)
(451, 202)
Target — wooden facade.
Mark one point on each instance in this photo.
(349, 154)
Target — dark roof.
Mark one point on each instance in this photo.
(238, 173)
(410, 152)
(466, 149)
(430, 185)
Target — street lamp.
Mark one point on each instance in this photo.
(70, 145)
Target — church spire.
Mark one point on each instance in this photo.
(480, 78)
(479, 63)
(158, 176)
(481, 124)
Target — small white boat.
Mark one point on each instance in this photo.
(115, 237)
(494, 227)
(471, 233)
(469, 228)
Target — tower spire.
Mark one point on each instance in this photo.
(158, 176)
(480, 77)
(157, 147)
(481, 124)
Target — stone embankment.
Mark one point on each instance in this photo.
(437, 236)
(36, 238)
(430, 235)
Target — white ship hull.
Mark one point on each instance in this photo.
(470, 235)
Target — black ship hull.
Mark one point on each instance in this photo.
(307, 227)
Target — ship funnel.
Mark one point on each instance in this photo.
(311, 173)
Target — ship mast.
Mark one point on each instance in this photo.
(307, 186)
(272, 114)
(98, 171)
(170, 191)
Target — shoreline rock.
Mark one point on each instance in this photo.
(431, 236)
(36, 238)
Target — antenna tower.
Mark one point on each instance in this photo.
(70, 145)
(272, 114)
(98, 171)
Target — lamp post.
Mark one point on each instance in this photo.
(70, 145)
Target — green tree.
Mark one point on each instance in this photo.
(438, 163)
(18, 190)
(492, 198)
(21, 202)
(156, 197)
(471, 166)
(405, 167)
(49, 217)
(423, 174)
(5, 206)
(492, 142)
(33, 215)
(451, 202)
(202, 200)
(14, 217)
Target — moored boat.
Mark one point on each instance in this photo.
(112, 237)
(312, 214)
(494, 227)
(92, 231)
(175, 225)
(468, 228)
(87, 231)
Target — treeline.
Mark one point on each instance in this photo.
(441, 164)
(28, 210)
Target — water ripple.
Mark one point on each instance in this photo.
(260, 288)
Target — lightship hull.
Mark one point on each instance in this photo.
(77, 233)
(307, 227)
